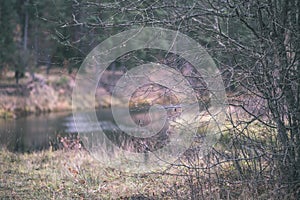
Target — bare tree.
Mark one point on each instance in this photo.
(257, 46)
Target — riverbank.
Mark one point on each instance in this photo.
(53, 93)
(76, 175)
(46, 93)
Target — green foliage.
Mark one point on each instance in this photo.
(63, 81)
(7, 25)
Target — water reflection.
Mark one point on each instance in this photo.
(32, 132)
(35, 132)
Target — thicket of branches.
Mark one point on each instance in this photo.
(256, 45)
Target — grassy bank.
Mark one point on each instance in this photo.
(45, 93)
(52, 93)
(75, 175)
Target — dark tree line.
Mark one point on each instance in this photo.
(32, 35)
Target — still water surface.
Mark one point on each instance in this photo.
(33, 132)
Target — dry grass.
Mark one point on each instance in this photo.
(74, 175)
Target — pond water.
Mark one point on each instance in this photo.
(34, 133)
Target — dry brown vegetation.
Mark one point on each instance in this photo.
(75, 174)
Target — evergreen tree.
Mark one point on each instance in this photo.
(7, 26)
